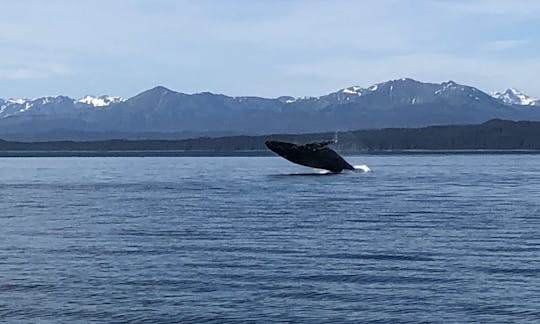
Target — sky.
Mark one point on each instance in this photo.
(262, 47)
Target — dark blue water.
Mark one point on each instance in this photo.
(434, 238)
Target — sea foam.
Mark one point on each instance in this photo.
(362, 167)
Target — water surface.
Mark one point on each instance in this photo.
(435, 238)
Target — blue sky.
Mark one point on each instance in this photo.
(264, 48)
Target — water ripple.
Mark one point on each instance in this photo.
(449, 238)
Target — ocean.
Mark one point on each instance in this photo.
(409, 238)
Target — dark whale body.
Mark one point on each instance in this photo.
(316, 155)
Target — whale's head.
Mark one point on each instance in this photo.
(280, 148)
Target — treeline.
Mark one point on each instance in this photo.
(492, 135)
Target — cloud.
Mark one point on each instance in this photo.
(488, 74)
(269, 48)
(504, 45)
(340, 25)
(36, 71)
(523, 8)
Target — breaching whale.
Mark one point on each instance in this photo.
(316, 155)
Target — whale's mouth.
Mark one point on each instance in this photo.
(271, 145)
(279, 148)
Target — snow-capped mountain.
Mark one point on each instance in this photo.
(54, 105)
(395, 103)
(100, 101)
(409, 92)
(513, 96)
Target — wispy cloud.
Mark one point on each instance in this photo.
(245, 47)
(487, 74)
(37, 71)
(504, 45)
(524, 8)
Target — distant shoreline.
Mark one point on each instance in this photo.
(492, 137)
(254, 153)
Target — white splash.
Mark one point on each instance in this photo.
(362, 167)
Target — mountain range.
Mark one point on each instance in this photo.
(166, 114)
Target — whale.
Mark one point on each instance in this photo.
(315, 155)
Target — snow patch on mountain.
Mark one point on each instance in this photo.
(354, 90)
(449, 86)
(18, 101)
(513, 96)
(101, 101)
(359, 91)
(27, 105)
(289, 100)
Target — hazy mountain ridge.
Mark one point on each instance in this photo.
(491, 135)
(397, 103)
